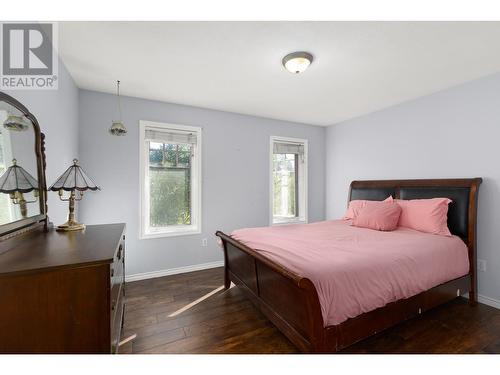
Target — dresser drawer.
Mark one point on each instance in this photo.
(117, 310)
(117, 294)
(116, 299)
(117, 268)
(116, 273)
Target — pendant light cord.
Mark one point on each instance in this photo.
(119, 102)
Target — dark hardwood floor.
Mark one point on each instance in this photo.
(226, 322)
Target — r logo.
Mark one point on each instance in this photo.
(27, 49)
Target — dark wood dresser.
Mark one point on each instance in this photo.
(63, 292)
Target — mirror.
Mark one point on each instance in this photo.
(21, 193)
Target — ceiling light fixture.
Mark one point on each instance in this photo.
(297, 62)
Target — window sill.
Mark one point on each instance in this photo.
(174, 233)
(288, 222)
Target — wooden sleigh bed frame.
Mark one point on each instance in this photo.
(291, 301)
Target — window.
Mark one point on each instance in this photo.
(170, 179)
(288, 180)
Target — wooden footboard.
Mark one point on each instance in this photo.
(289, 301)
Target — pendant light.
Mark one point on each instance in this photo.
(117, 127)
(16, 123)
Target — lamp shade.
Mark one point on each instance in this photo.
(74, 178)
(17, 179)
(118, 128)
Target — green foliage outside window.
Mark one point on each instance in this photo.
(170, 184)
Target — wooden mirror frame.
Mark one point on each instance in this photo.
(20, 226)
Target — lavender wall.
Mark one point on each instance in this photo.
(454, 133)
(235, 181)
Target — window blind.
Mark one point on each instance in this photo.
(173, 136)
(288, 148)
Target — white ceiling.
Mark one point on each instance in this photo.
(358, 68)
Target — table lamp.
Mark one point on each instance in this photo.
(16, 181)
(72, 180)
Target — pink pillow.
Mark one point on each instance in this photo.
(356, 205)
(425, 215)
(379, 216)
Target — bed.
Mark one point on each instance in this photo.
(292, 292)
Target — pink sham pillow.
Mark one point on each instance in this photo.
(356, 205)
(425, 215)
(379, 216)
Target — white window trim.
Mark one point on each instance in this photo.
(299, 220)
(196, 169)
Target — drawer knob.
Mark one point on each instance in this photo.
(113, 306)
(120, 252)
(112, 272)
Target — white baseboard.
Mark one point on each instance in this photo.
(489, 301)
(486, 300)
(173, 271)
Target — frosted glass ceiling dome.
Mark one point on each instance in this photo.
(297, 62)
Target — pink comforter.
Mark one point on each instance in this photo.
(356, 270)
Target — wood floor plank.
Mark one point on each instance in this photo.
(227, 322)
(185, 321)
(143, 343)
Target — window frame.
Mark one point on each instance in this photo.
(196, 183)
(302, 182)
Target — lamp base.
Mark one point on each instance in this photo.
(70, 226)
